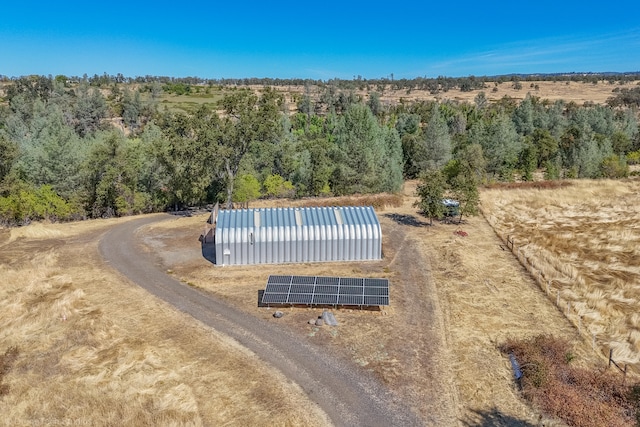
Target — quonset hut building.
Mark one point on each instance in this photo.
(297, 235)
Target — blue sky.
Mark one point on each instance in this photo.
(318, 40)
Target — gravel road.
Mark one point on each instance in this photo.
(349, 395)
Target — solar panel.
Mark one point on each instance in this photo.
(273, 298)
(350, 299)
(303, 280)
(320, 290)
(279, 289)
(368, 290)
(327, 280)
(326, 289)
(350, 281)
(300, 298)
(301, 289)
(376, 282)
(350, 290)
(279, 279)
(372, 300)
(325, 299)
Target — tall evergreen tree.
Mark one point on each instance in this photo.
(434, 150)
(362, 150)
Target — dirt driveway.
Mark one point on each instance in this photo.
(348, 394)
(454, 299)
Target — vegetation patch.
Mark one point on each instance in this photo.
(578, 396)
(6, 362)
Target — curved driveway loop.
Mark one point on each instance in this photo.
(346, 393)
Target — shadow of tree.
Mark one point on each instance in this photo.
(495, 418)
(407, 220)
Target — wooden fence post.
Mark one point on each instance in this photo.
(610, 356)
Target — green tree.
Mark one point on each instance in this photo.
(465, 190)
(430, 192)
(249, 119)
(111, 178)
(52, 153)
(361, 145)
(528, 160)
(408, 127)
(131, 109)
(434, 151)
(187, 152)
(614, 167)
(500, 143)
(247, 188)
(546, 146)
(583, 152)
(523, 117)
(374, 104)
(277, 186)
(8, 156)
(89, 111)
(391, 166)
(315, 166)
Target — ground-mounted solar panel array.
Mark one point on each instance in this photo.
(320, 290)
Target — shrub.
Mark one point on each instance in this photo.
(30, 204)
(614, 167)
(633, 158)
(578, 396)
(276, 186)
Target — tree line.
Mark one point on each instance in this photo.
(71, 151)
(432, 84)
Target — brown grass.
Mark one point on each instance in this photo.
(577, 92)
(582, 243)
(121, 357)
(581, 397)
(95, 350)
(482, 294)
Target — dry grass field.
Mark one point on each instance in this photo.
(454, 300)
(577, 92)
(583, 243)
(94, 349)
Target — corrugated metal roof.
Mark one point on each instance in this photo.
(291, 217)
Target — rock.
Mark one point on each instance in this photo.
(319, 322)
(278, 314)
(329, 318)
(312, 321)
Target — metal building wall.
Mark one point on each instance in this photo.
(297, 235)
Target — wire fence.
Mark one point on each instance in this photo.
(564, 305)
